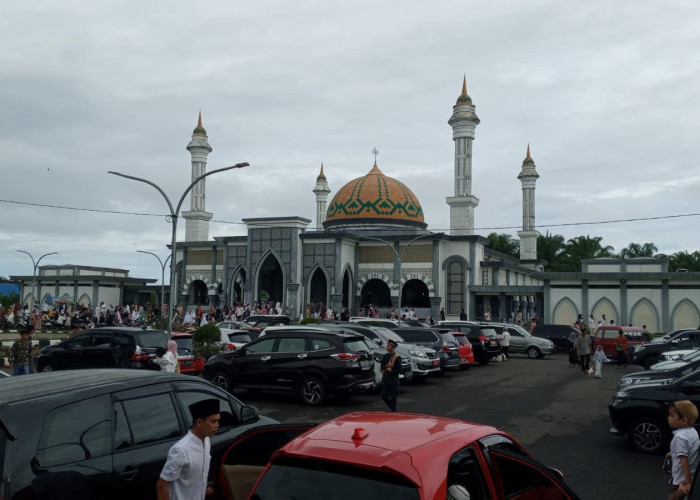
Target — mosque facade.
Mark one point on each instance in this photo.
(370, 244)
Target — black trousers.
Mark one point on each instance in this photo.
(585, 362)
(390, 393)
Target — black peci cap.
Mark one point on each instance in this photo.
(204, 408)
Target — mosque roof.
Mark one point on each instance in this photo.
(374, 198)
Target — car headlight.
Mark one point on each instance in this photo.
(619, 397)
(625, 382)
(418, 354)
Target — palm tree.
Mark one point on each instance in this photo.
(636, 250)
(581, 248)
(504, 243)
(684, 260)
(549, 248)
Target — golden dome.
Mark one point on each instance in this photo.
(374, 198)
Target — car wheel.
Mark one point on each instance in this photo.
(649, 435)
(648, 362)
(533, 352)
(222, 380)
(312, 391)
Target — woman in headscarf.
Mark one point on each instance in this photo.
(167, 358)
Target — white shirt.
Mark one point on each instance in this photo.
(187, 468)
(505, 339)
(685, 443)
(167, 363)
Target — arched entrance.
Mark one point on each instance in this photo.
(318, 289)
(376, 292)
(197, 293)
(415, 294)
(346, 288)
(270, 280)
(236, 290)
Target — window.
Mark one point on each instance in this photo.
(228, 418)
(150, 418)
(610, 334)
(79, 341)
(264, 345)
(76, 432)
(153, 338)
(292, 344)
(318, 344)
(100, 339)
(520, 476)
(464, 470)
(123, 339)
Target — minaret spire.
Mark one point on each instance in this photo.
(197, 219)
(321, 190)
(528, 236)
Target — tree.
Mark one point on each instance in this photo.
(581, 248)
(207, 341)
(504, 243)
(684, 260)
(550, 248)
(634, 250)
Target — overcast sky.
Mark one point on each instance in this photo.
(606, 94)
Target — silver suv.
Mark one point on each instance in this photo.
(523, 342)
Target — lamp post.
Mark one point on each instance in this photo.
(174, 214)
(162, 279)
(36, 265)
(399, 257)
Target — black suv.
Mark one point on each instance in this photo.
(103, 433)
(439, 339)
(641, 410)
(650, 353)
(117, 347)
(559, 334)
(311, 361)
(483, 338)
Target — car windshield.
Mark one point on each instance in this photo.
(387, 334)
(488, 332)
(418, 335)
(317, 479)
(356, 345)
(184, 346)
(522, 331)
(239, 338)
(152, 338)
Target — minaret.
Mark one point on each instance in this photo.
(321, 191)
(462, 204)
(528, 236)
(197, 219)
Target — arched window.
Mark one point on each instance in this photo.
(376, 292)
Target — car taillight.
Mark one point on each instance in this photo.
(444, 347)
(139, 355)
(231, 347)
(483, 340)
(348, 357)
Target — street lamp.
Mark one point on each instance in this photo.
(174, 214)
(36, 265)
(399, 257)
(162, 279)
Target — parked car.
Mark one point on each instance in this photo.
(607, 335)
(483, 338)
(253, 331)
(311, 361)
(190, 364)
(670, 362)
(104, 433)
(392, 456)
(109, 347)
(558, 334)
(523, 342)
(649, 354)
(466, 354)
(264, 320)
(439, 339)
(672, 335)
(661, 376)
(363, 320)
(640, 411)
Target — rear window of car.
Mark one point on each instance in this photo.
(153, 338)
(239, 338)
(488, 332)
(418, 335)
(462, 339)
(448, 337)
(184, 346)
(356, 345)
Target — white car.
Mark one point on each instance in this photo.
(234, 339)
(669, 361)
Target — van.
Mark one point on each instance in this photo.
(606, 335)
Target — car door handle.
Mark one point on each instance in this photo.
(265, 358)
(302, 356)
(128, 474)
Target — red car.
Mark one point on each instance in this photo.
(189, 363)
(466, 355)
(380, 456)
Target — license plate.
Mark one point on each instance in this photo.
(493, 343)
(188, 363)
(365, 365)
(436, 362)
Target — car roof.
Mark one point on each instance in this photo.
(330, 330)
(180, 335)
(621, 327)
(401, 442)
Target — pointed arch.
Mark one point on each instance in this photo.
(347, 300)
(317, 285)
(685, 314)
(85, 300)
(565, 312)
(455, 267)
(606, 306)
(269, 277)
(644, 312)
(235, 286)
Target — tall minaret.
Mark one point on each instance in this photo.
(528, 236)
(321, 191)
(197, 219)
(462, 204)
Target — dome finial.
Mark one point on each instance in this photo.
(321, 176)
(464, 86)
(464, 97)
(528, 159)
(199, 130)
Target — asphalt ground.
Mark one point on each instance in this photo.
(559, 415)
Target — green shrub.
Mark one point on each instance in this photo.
(206, 341)
(309, 320)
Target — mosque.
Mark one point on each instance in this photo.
(370, 244)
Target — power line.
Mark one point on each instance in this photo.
(492, 228)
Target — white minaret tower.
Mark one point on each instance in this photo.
(197, 219)
(528, 236)
(321, 191)
(462, 204)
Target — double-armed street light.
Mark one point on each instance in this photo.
(162, 279)
(174, 214)
(36, 265)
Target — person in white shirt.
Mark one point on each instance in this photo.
(505, 343)
(184, 475)
(167, 359)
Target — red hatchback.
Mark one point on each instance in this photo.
(189, 363)
(377, 456)
(466, 355)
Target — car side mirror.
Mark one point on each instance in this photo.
(249, 415)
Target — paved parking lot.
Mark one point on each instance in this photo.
(557, 413)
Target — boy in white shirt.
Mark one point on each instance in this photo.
(685, 447)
